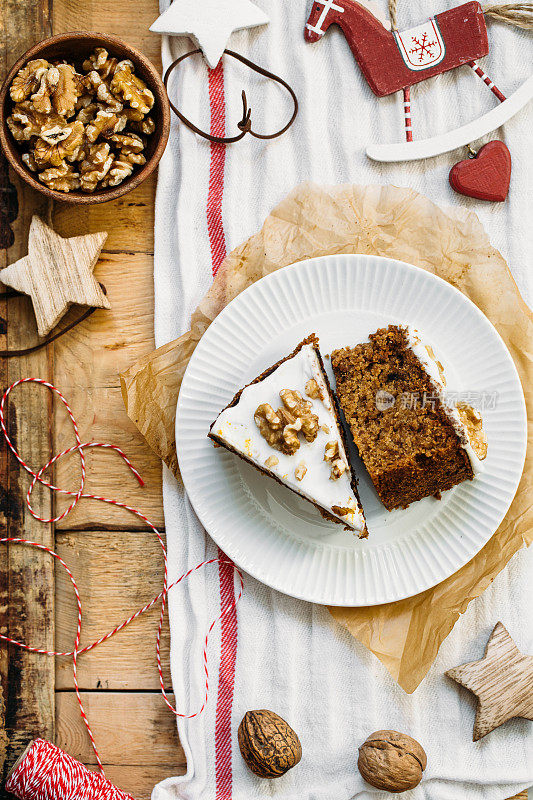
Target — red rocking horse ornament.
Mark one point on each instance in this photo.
(393, 60)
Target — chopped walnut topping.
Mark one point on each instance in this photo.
(300, 471)
(471, 419)
(280, 428)
(272, 461)
(341, 511)
(300, 408)
(337, 464)
(313, 390)
(325, 429)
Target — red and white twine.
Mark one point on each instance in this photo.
(43, 752)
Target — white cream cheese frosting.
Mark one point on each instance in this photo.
(435, 370)
(235, 426)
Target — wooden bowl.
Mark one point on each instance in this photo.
(75, 47)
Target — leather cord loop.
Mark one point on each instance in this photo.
(245, 124)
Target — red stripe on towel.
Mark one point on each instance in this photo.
(228, 633)
(215, 227)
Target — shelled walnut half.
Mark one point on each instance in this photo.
(95, 118)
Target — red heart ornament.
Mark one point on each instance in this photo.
(485, 177)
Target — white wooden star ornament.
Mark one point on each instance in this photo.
(502, 681)
(209, 22)
(56, 273)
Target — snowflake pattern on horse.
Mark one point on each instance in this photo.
(422, 46)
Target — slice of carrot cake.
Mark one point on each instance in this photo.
(286, 423)
(412, 442)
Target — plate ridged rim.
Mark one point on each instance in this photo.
(318, 571)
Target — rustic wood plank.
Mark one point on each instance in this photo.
(87, 363)
(132, 217)
(117, 573)
(101, 417)
(131, 729)
(109, 341)
(112, 16)
(26, 577)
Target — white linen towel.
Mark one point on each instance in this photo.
(291, 657)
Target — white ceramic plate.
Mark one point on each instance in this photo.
(278, 537)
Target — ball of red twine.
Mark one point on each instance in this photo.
(47, 773)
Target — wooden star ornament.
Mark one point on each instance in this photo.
(56, 273)
(209, 22)
(502, 681)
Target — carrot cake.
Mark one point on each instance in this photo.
(286, 423)
(413, 444)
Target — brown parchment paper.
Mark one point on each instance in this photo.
(385, 221)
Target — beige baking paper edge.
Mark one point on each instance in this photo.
(386, 221)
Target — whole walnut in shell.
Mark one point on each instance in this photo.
(392, 761)
(268, 744)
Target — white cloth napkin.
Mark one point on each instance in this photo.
(290, 656)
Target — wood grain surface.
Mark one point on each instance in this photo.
(133, 727)
(116, 560)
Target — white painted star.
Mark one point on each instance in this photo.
(209, 22)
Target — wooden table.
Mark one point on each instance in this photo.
(103, 545)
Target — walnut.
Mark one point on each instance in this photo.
(28, 80)
(131, 88)
(49, 153)
(133, 115)
(276, 429)
(25, 122)
(95, 166)
(87, 113)
(30, 162)
(268, 744)
(121, 169)
(61, 179)
(272, 461)
(103, 93)
(145, 126)
(473, 423)
(392, 761)
(325, 429)
(67, 117)
(299, 472)
(105, 123)
(313, 390)
(127, 142)
(101, 62)
(58, 90)
(332, 455)
(300, 408)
